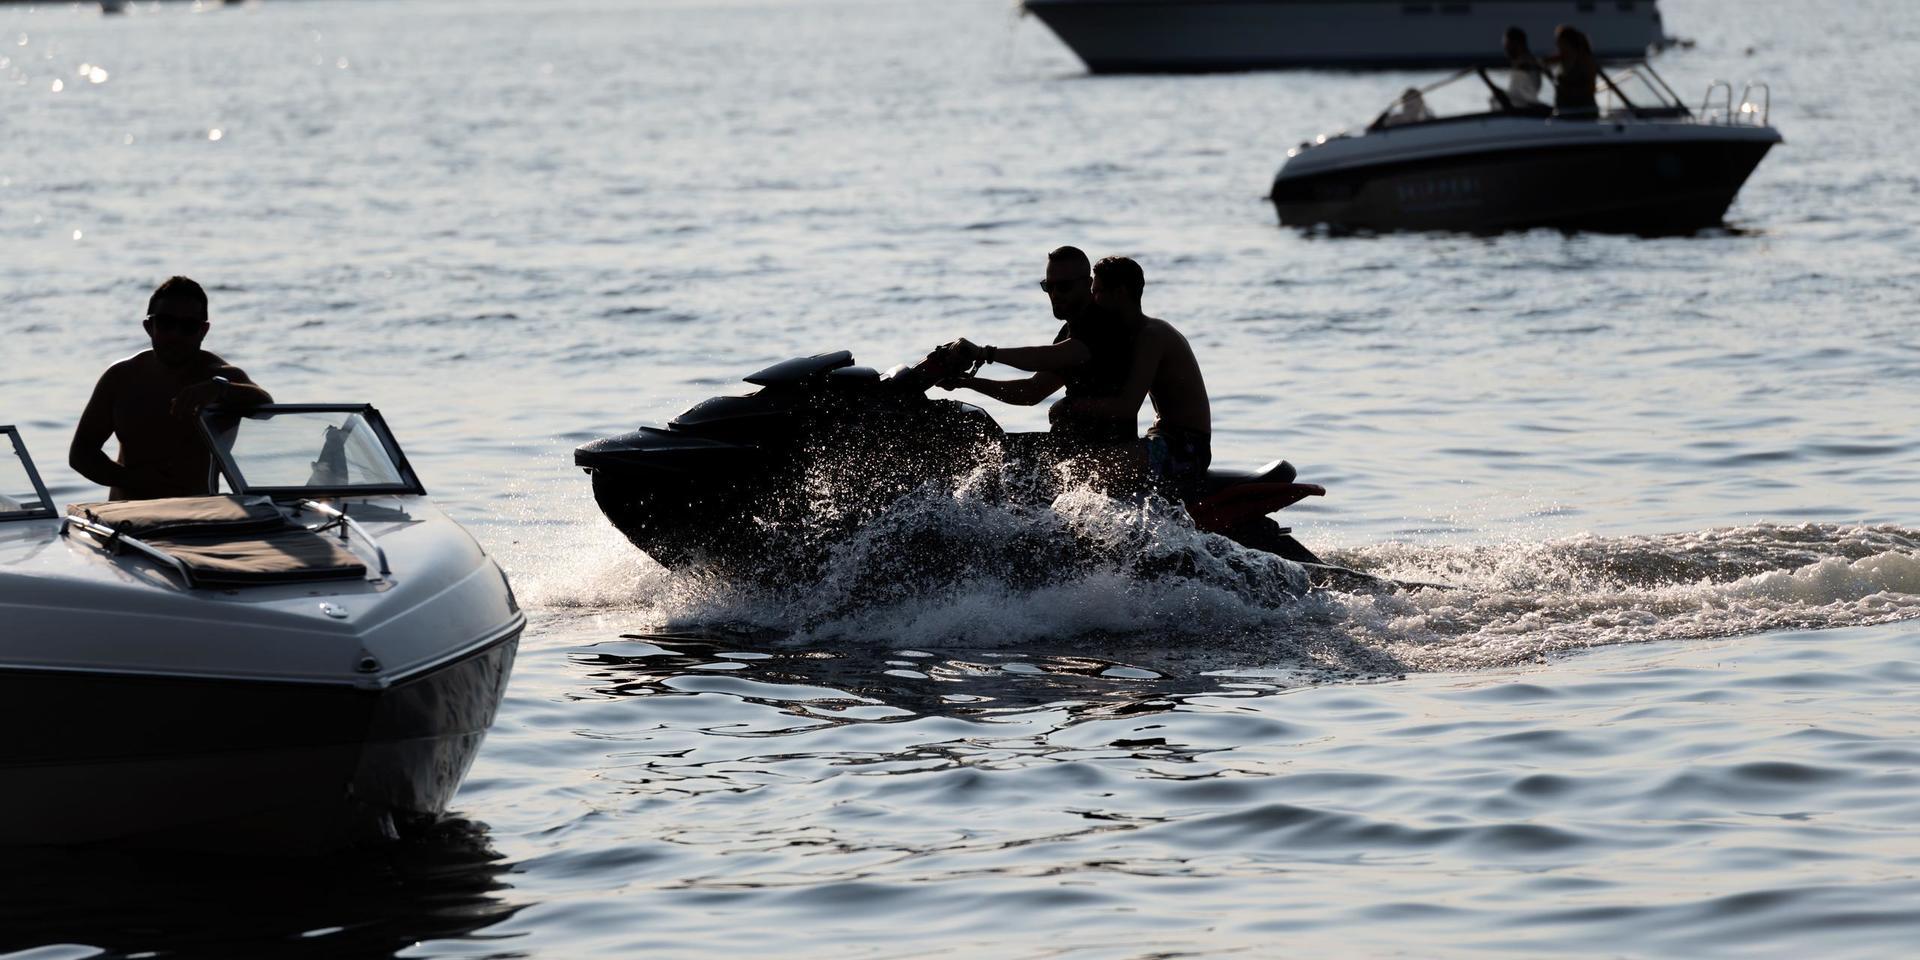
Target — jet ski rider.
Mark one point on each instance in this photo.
(1108, 335)
(149, 401)
(1087, 357)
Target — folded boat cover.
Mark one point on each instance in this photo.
(197, 515)
(228, 541)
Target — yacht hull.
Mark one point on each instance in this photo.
(1148, 36)
(1643, 188)
(239, 765)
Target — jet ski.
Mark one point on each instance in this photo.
(305, 663)
(730, 481)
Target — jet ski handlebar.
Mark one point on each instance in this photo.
(944, 363)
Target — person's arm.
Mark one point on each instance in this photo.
(1126, 404)
(1023, 393)
(239, 391)
(84, 454)
(1052, 358)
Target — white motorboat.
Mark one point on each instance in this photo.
(1148, 36)
(304, 663)
(1644, 163)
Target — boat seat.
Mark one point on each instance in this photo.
(1279, 471)
(222, 541)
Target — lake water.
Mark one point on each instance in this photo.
(1670, 710)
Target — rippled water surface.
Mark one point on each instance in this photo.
(1665, 709)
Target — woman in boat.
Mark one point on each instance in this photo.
(1573, 85)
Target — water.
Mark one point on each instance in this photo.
(1667, 712)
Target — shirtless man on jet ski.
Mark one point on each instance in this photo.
(1125, 357)
(1089, 357)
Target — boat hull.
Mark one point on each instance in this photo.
(1148, 36)
(1643, 188)
(218, 764)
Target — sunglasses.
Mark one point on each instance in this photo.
(1061, 286)
(173, 323)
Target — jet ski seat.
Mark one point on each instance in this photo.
(220, 541)
(1279, 471)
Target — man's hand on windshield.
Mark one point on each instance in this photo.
(189, 400)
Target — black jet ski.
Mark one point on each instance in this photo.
(722, 482)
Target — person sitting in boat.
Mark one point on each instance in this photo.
(150, 400)
(1573, 86)
(1523, 72)
(1410, 108)
(1162, 368)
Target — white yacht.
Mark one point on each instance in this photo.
(1152, 36)
(304, 663)
(1643, 162)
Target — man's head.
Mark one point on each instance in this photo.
(1516, 44)
(1117, 284)
(176, 320)
(1067, 283)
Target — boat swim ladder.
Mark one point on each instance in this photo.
(1748, 114)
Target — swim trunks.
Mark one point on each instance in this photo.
(1177, 459)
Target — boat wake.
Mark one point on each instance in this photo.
(943, 570)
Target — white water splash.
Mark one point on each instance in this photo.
(953, 568)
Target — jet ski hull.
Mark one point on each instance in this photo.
(1659, 187)
(222, 764)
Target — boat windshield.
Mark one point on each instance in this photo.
(1630, 89)
(22, 495)
(308, 450)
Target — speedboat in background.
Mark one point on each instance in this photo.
(308, 662)
(1644, 163)
(1149, 36)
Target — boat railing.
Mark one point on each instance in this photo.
(1718, 108)
(345, 525)
(1725, 112)
(115, 541)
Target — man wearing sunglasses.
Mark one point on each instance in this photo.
(150, 401)
(1156, 363)
(1090, 357)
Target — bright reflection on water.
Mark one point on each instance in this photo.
(1666, 708)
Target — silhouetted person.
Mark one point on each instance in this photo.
(1410, 108)
(1579, 72)
(1179, 445)
(1160, 366)
(1523, 71)
(1089, 357)
(151, 399)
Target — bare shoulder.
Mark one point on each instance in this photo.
(1163, 331)
(133, 366)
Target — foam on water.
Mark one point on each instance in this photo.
(954, 568)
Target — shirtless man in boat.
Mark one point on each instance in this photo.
(151, 400)
(1157, 364)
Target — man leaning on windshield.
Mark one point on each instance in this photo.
(151, 399)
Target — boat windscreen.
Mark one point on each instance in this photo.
(1636, 88)
(308, 450)
(22, 495)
